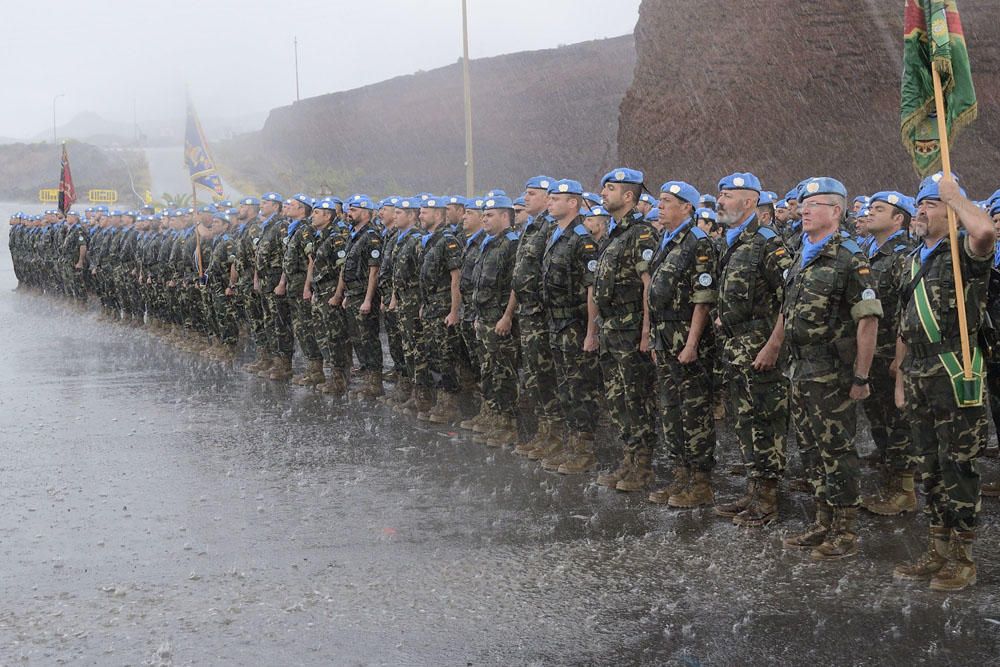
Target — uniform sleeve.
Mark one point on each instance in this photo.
(777, 261)
(860, 292)
(587, 260)
(645, 248)
(374, 250)
(452, 253)
(704, 273)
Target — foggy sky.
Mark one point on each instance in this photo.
(237, 57)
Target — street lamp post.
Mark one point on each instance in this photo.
(55, 139)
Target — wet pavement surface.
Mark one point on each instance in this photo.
(161, 509)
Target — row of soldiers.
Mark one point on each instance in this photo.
(569, 302)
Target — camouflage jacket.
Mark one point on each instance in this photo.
(618, 286)
(329, 250)
(247, 239)
(568, 266)
(295, 259)
(493, 275)
(406, 260)
(442, 254)
(887, 264)
(684, 267)
(221, 257)
(385, 268)
(270, 252)
(528, 265)
(470, 255)
(364, 250)
(824, 299)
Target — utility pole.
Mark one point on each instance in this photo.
(296, 42)
(470, 172)
(55, 140)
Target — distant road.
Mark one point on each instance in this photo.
(168, 173)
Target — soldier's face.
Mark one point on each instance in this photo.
(935, 215)
(644, 206)
(388, 215)
(472, 220)
(535, 200)
(494, 221)
(322, 217)
(673, 211)
(996, 225)
(563, 206)
(820, 214)
(268, 208)
(295, 210)
(793, 209)
(520, 215)
(781, 215)
(597, 225)
(454, 212)
(733, 206)
(879, 219)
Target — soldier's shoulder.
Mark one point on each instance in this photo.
(512, 235)
(580, 230)
(698, 233)
(851, 246)
(767, 233)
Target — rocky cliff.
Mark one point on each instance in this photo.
(553, 111)
(789, 89)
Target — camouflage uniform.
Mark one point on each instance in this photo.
(219, 307)
(407, 259)
(491, 279)
(393, 333)
(684, 275)
(628, 373)
(329, 248)
(470, 353)
(442, 254)
(823, 302)
(536, 354)
(568, 265)
(249, 302)
(267, 261)
(76, 237)
(294, 264)
(750, 295)
(950, 439)
(364, 251)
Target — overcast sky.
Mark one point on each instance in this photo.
(237, 56)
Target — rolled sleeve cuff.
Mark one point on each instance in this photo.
(866, 308)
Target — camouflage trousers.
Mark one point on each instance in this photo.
(578, 376)
(330, 325)
(363, 330)
(302, 324)
(440, 344)
(826, 420)
(252, 312)
(950, 440)
(685, 395)
(278, 325)
(411, 333)
(498, 369)
(889, 427)
(470, 352)
(224, 324)
(759, 402)
(395, 338)
(630, 385)
(538, 382)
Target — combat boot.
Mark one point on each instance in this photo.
(373, 385)
(308, 376)
(228, 354)
(336, 383)
(551, 446)
(681, 477)
(486, 423)
(842, 539)
(611, 478)
(266, 366)
(640, 476)
(537, 441)
(960, 570)
(582, 459)
(898, 498)
(447, 409)
(470, 423)
(763, 508)
(564, 453)
(401, 392)
(423, 401)
(931, 561)
(733, 508)
(282, 370)
(503, 433)
(697, 493)
(815, 533)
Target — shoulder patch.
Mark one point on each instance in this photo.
(900, 248)
(512, 235)
(851, 245)
(698, 233)
(580, 230)
(767, 232)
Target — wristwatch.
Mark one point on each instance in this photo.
(860, 381)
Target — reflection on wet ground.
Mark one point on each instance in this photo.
(161, 509)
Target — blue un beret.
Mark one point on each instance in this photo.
(597, 210)
(766, 198)
(565, 186)
(499, 201)
(653, 215)
(622, 175)
(822, 185)
(361, 201)
(893, 198)
(304, 199)
(519, 201)
(250, 201)
(537, 183)
(592, 198)
(740, 180)
(706, 214)
(434, 202)
(648, 198)
(272, 196)
(683, 191)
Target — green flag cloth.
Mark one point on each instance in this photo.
(942, 46)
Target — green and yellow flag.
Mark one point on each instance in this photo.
(933, 37)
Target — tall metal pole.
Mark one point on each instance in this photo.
(470, 172)
(55, 139)
(297, 98)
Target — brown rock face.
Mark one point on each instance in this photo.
(553, 111)
(790, 89)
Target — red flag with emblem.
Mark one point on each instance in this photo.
(67, 193)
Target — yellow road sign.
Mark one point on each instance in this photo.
(48, 195)
(102, 196)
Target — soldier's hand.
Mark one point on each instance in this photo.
(366, 307)
(948, 190)
(256, 284)
(900, 395)
(591, 343)
(450, 320)
(644, 342)
(78, 265)
(504, 325)
(332, 301)
(766, 358)
(279, 290)
(392, 304)
(688, 355)
(307, 293)
(229, 291)
(860, 393)
(893, 368)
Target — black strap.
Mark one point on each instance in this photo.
(907, 293)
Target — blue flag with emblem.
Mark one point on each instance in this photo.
(199, 163)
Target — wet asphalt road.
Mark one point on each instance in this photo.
(161, 509)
